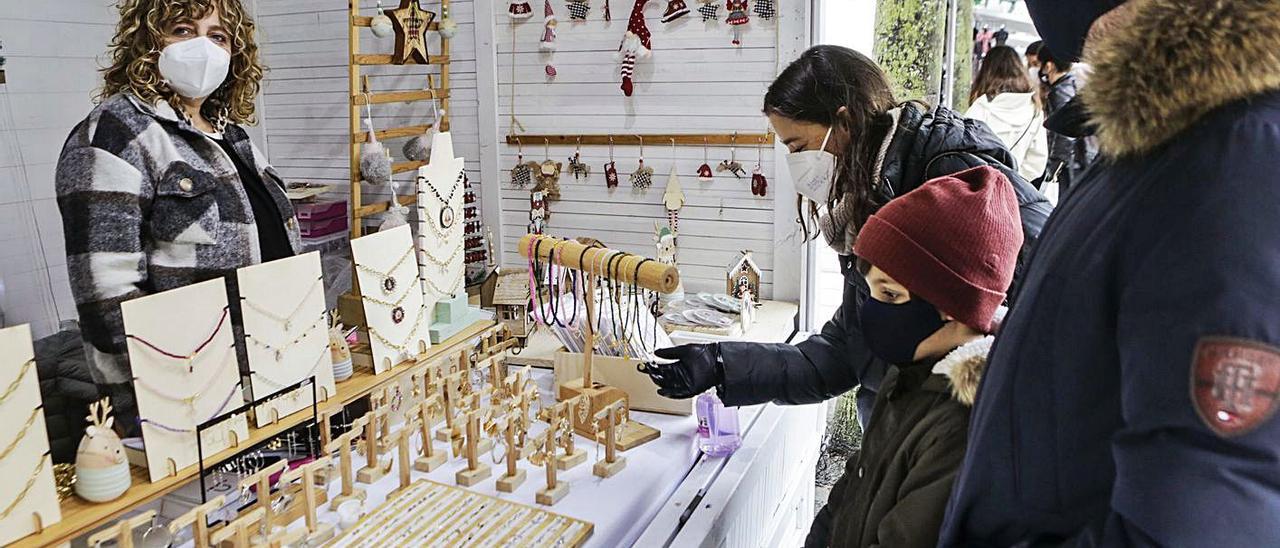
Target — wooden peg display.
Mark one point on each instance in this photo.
(573, 455)
(450, 395)
(612, 462)
(384, 424)
(326, 424)
(429, 459)
(373, 469)
(319, 531)
(343, 446)
(239, 532)
(555, 489)
(197, 519)
(515, 476)
(122, 531)
(287, 537)
(476, 471)
(261, 480)
(403, 460)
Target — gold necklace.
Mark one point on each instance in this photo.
(21, 434)
(397, 311)
(309, 374)
(443, 264)
(14, 385)
(23, 493)
(279, 350)
(436, 289)
(417, 323)
(388, 280)
(287, 321)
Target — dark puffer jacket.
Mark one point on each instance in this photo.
(924, 145)
(66, 389)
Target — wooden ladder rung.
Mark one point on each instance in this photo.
(392, 133)
(398, 97)
(385, 59)
(373, 209)
(365, 21)
(402, 167)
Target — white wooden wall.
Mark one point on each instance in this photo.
(695, 82)
(304, 44)
(52, 50)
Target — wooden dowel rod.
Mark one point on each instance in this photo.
(392, 133)
(656, 140)
(409, 96)
(654, 276)
(365, 21)
(385, 59)
(371, 209)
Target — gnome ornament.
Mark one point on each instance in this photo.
(375, 159)
(737, 18)
(675, 10)
(102, 471)
(548, 41)
(709, 10)
(635, 45)
(673, 200)
(519, 9)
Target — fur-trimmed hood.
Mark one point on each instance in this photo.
(1176, 61)
(964, 367)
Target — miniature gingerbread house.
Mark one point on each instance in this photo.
(511, 302)
(743, 274)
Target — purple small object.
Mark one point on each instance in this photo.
(718, 434)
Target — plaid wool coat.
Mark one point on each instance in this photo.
(150, 203)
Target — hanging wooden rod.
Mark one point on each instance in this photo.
(385, 59)
(385, 97)
(654, 276)
(366, 20)
(623, 139)
(392, 133)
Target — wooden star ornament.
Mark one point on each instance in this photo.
(410, 22)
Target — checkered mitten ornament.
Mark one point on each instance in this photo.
(578, 10)
(642, 177)
(521, 174)
(759, 185)
(765, 10)
(710, 11)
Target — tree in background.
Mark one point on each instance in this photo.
(909, 47)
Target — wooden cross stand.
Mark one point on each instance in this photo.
(261, 481)
(122, 532)
(373, 469)
(197, 519)
(573, 455)
(476, 471)
(612, 462)
(627, 269)
(429, 459)
(555, 489)
(343, 446)
(319, 531)
(402, 437)
(515, 476)
(238, 533)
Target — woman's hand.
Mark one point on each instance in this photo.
(696, 369)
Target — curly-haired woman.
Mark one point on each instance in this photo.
(159, 186)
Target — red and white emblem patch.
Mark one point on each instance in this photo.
(1235, 383)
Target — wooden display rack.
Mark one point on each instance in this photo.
(651, 275)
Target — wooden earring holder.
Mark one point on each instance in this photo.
(476, 471)
(384, 426)
(343, 446)
(318, 531)
(403, 461)
(515, 476)
(651, 275)
(573, 455)
(261, 481)
(373, 469)
(429, 459)
(451, 397)
(197, 520)
(612, 462)
(238, 533)
(122, 532)
(554, 489)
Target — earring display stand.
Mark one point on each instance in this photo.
(429, 459)
(476, 471)
(261, 481)
(185, 374)
(197, 520)
(342, 444)
(630, 269)
(391, 290)
(612, 463)
(122, 532)
(402, 438)
(238, 533)
(515, 476)
(29, 501)
(286, 332)
(319, 531)
(573, 455)
(373, 469)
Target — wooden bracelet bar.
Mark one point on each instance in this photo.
(655, 276)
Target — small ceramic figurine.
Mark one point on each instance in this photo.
(340, 351)
(102, 471)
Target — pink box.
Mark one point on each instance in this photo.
(321, 210)
(323, 227)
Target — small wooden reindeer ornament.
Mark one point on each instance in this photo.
(102, 471)
(339, 349)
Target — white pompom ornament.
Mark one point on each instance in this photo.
(381, 24)
(447, 27)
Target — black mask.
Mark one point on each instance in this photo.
(1064, 24)
(894, 331)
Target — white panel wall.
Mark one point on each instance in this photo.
(51, 79)
(695, 82)
(304, 43)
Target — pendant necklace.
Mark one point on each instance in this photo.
(190, 357)
(286, 321)
(388, 282)
(223, 407)
(397, 311)
(278, 350)
(447, 216)
(311, 373)
(190, 400)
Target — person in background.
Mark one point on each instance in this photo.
(1067, 155)
(1003, 98)
(938, 261)
(1131, 396)
(160, 187)
(1033, 61)
(854, 148)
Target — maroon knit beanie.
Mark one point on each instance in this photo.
(954, 242)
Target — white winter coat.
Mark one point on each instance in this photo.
(1015, 118)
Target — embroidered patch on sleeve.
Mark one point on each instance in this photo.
(1234, 384)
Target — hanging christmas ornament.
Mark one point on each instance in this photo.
(704, 170)
(765, 10)
(519, 9)
(447, 26)
(548, 174)
(537, 212)
(608, 15)
(710, 10)
(375, 159)
(737, 18)
(675, 10)
(521, 174)
(579, 169)
(578, 10)
(611, 168)
(759, 185)
(731, 165)
(397, 213)
(548, 41)
(642, 177)
(635, 45)
(380, 24)
(673, 197)
(418, 148)
(410, 22)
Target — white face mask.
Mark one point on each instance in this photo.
(194, 68)
(813, 171)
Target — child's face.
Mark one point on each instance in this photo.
(885, 289)
(952, 334)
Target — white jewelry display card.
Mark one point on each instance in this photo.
(185, 373)
(286, 332)
(441, 221)
(391, 292)
(29, 500)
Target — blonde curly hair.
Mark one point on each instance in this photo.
(135, 56)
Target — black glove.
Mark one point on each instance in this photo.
(697, 370)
